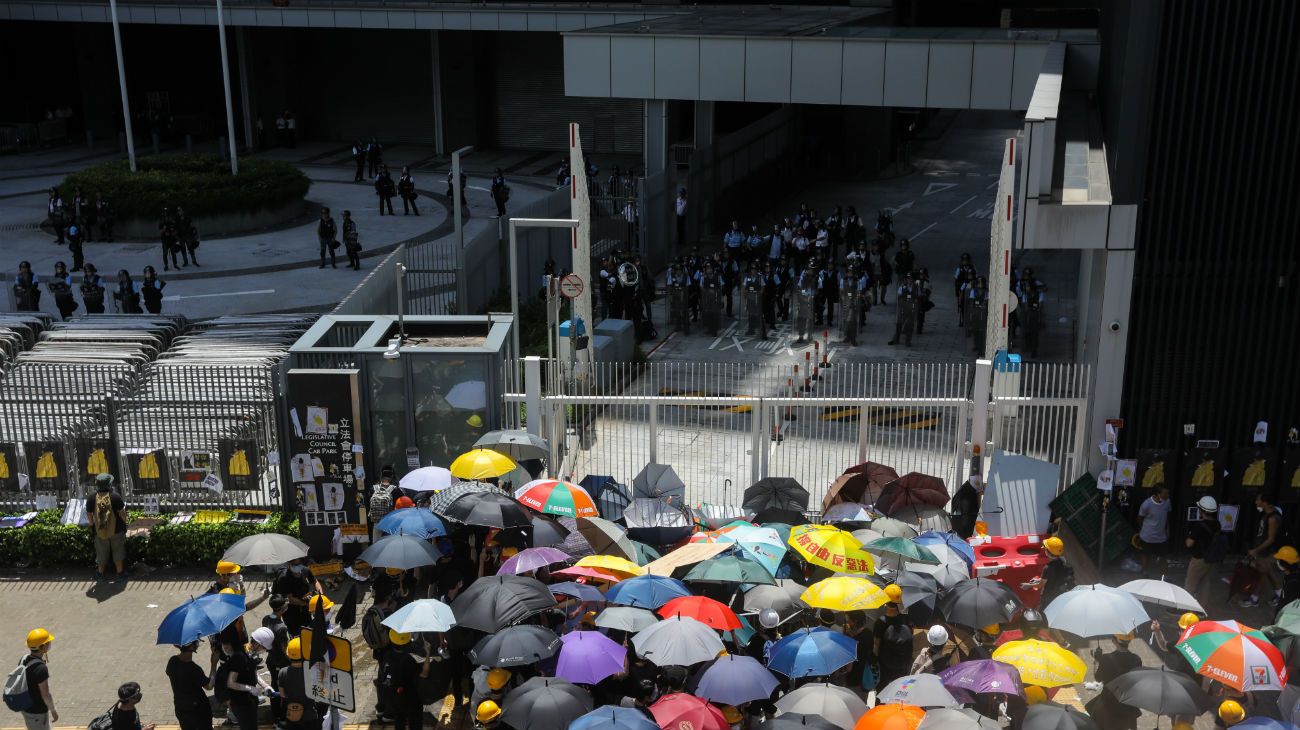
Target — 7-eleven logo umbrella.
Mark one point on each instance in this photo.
(555, 497)
(1234, 654)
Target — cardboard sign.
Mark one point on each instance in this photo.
(354, 533)
(333, 567)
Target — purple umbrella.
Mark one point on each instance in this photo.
(981, 676)
(733, 680)
(526, 561)
(589, 656)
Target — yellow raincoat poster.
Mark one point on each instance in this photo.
(9, 468)
(1253, 470)
(47, 465)
(95, 457)
(1202, 471)
(239, 467)
(150, 472)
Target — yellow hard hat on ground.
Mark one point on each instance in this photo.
(1187, 620)
(1035, 694)
(894, 592)
(36, 638)
(487, 711)
(293, 649)
(497, 678)
(1054, 546)
(1231, 712)
(321, 599)
(225, 567)
(1287, 554)
(397, 638)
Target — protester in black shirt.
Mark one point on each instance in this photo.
(892, 636)
(189, 682)
(296, 583)
(401, 675)
(243, 687)
(299, 709)
(124, 713)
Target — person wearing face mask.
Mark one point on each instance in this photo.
(40, 713)
(1153, 528)
(1287, 561)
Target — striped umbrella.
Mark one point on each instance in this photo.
(555, 497)
(1236, 655)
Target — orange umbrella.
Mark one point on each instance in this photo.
(891, 717)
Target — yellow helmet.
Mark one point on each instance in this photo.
(229, 591)
(1183, 725)
(397, 638)
(225, 567)
(487, 711)
(474, 421)
(992, 629)
(894, 592)
(1125, 637)
(1231, 712)
(497, 678)
(320, 599)
(731, 714)
(1287, 554)
(1188, 620)
(293, 649)
(1034, 694)
(393, 571)
(509, 552)
(1054, 546)
(36, 638)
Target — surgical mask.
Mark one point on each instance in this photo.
(1258, 508)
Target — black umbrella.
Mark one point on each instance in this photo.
(488, 509)
(545, 532)
(515, 646)
(920, 594)
(1160, 691)
(977, 602)
(545, 703)
(439, 501)
(795, 721)
(775, 493)
(1051, 716)
(780, 517)
(494, 602)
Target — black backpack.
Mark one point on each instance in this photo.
(373, 630)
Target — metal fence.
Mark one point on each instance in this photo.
(722, 426)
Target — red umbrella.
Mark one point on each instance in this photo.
(680, 711)
(853, 487)
(913, 490)
(702, 609)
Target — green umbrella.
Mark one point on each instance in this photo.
(1287, 640)
(891, 527)
(781, 528)
(1289, 617)
(644, 553)
(730, 568)
(902, 548)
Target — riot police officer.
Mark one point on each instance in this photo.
(924, 302)
(127, 294)
(103, 218)
(909, 297)
(711, 285)
(27, 289)
(168, 238)
(58, 214)
(751, 286)
(92, 290)
(1030, 312)
(853, 289)
(679, 286)
(830, 292)
(60, 286)
(904, 260)
(729, 269)
(772, 285)
(962, 280)
(76, 235)
(805, 294)
(694, 266)
(977, 309)
(151, 288)
(882, 273)
(788, 275)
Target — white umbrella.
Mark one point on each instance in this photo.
(837, 705)
(426, 479)
(425, 614)
(922, 690)
(677, 641)
(626, 618)
(1095, 610)
(950, 571)
(849, 512)
(1163, 594)
(470, 395)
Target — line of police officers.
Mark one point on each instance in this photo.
(129, 296)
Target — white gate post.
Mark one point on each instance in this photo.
(533, 392)
(979, 431)
(654, 432)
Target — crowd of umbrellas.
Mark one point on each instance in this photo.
(675, 586)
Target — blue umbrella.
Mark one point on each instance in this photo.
(1264, 723)
(412, 521)
(952, 540)
(580, 591)
(814, 652)
(646, 591)
(613, 718)
(732, 680)
(199, 617)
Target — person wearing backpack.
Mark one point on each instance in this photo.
(375, 634)
(109, 524)
(33, 698)
(123, 715)
(1206, 546)
(400, 677)
(299, 709)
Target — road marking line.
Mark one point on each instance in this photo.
(993, 184)
(923, 230)
(935, 187)
(954, 210)
(178, 297)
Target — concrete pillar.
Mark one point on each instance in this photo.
(1112, 331)
(656, 136)
(245, 95)
(438, 143)
(703, 124)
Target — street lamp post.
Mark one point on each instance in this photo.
(457, 200)
(515, 225)
(225, 77)
(121, 82)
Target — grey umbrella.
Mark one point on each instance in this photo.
(265, 548)
(400, 551)
(679, 641)
(921, 690)
(626, 618)
(947, 718)
(597, 536)
(784, 598)
(518, 445)
(1051, 716)
(890, 527)
(796, 721)
(659, 481)
(1160, 691)
(439, 501)
(494, 602)
(545, 703)
(837, 705)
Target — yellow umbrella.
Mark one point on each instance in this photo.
(831, 548)
(612, 564)
(481, 464)
(1043, 663)
(845, 593)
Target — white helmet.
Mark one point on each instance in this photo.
(768, 618)
(1207, 504)
(937, 635)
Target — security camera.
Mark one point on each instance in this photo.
(1114, 325)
